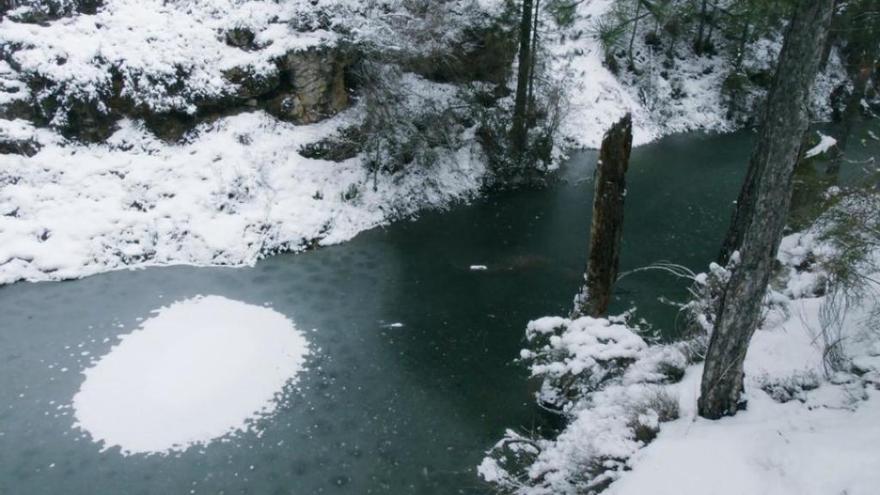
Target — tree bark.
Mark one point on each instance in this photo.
(533, 60)
(518, 133)
(711, 21)
(698, 43)
(606, 230)
(741, 46)
(786, 104)
(761, 212)
(632, 38)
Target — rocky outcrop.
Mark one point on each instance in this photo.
(250, 84)
(303, 87)
(313, 86)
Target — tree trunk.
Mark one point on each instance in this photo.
(518, 133)
(760, 216)
(741, 46)
(711, 22)
(791, 87)
(606, 229)
(864, 68)
(829, 44)
(632, 38)
(698, 43)
(534, 57)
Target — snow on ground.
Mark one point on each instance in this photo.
(773, 448)
(197, 370)
(688, 100)
(595, 96)
(662, 100)
(152, 42)
(828, 442)
(812, 382)
(237, 191)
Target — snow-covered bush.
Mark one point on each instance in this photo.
(844, 249)
(609, 384)
(575, 357)
(407, 120)
(793, 387)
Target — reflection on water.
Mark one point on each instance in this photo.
(383, 408)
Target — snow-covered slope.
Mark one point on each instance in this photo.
(596, 98)
(151, 43)
(238, 189)
(826, 440)
(236, 192)
(663, 99)
(812, 382)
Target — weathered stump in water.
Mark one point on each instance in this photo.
(606, 230)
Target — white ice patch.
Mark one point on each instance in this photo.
(199, 369)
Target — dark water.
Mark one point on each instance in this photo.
(381, 410)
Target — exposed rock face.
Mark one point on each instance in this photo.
(88, 120)
(304, 87)
(314, 85)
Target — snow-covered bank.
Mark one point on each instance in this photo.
(151, 43)
(663, 97)
(812, 382)
(235, 188)
(195, 371)
(237, 191)
(773, 448)
(824, 438)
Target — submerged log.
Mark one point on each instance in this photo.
(606, 230)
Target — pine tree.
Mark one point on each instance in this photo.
(761, 211)
(519, 131)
